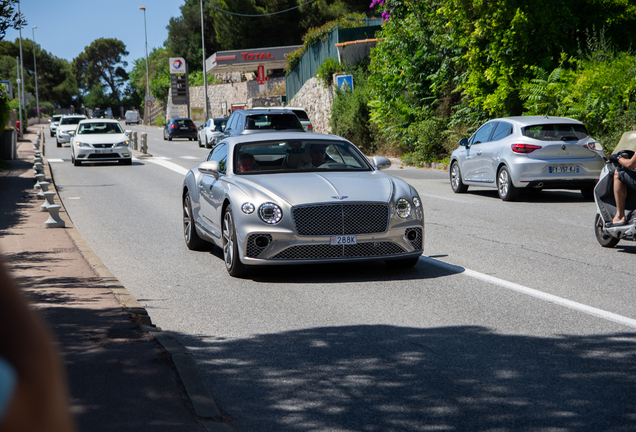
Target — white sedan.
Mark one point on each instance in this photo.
(67, 127)
(100, 140)
(210, 132)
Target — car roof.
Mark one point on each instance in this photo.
(94, 120)
(283, 136)
(533, 120)
(279, 107)
(268, 111)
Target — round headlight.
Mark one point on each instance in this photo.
(270, 213)
(403, 208)
(248, 208)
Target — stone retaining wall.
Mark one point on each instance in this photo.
(317, 101)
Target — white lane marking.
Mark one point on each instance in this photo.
(580, 307)
(188, 157)
(56, 160)
(170, 165)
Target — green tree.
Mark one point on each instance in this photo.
(101, 62)
(9, 17)
(184, 34)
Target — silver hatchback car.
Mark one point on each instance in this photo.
(528, 153)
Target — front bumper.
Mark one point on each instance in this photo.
(110, 154)
(283, 247)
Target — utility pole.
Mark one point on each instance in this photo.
(146, 107)
(205, 80)
(18, 81)
(37, 98)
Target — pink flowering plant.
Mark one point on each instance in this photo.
(386, 13)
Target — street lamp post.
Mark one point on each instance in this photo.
(205, 81)
(21, 69)
(37, 98)
(147, 73)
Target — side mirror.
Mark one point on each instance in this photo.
(210, 167)
(49, 120)
(380, 162)
(463, 142)
(200, 127)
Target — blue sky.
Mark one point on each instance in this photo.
(66, 27)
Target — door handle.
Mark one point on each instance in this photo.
(479, 153)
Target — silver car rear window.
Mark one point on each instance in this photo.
(555, 132)
(272, 121)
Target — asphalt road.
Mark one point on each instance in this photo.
(515, 318)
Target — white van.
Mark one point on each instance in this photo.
(132, 117)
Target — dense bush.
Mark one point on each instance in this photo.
(442, 67)
(350, 112)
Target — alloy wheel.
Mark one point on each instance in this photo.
(228, 239)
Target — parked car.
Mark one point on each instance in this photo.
(246, 122)
(300, 113)
(54, 122)
(256, 198)
(527, 153)
(131, 117)
(179, 128)
(66, 128)
(100, 140)
(103, 113)
(211, 131)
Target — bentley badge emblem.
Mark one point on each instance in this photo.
(339, 197)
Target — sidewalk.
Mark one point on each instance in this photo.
(124, 374)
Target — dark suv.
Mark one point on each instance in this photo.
(245, 122)
(180, 128)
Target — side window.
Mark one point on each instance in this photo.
(503, 130)
(219, 154)
(230, 121)
(483, 134)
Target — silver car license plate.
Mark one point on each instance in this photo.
(103, 151)
(564, 169)
(344, 240)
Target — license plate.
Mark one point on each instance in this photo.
(344, 240)
(564, 169)
(183, 128)
(103, 151)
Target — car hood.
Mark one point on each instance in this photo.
(308, 187)
(101, 138)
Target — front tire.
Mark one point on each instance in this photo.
(507, 191)
(233, 263)
(603, 239)
(164, 135)
(457, 184)
(190, 235)
(59, 144)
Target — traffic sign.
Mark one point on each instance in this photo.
(148, 103)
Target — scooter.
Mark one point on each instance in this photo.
(606, 204)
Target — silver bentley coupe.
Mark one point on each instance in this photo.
(297, 198)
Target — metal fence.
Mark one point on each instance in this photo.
(316, 54)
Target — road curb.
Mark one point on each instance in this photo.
(189, 373)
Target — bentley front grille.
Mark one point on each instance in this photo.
(321, 251)
(336, 219)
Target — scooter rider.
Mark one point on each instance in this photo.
(624, 177)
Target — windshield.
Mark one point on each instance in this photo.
(298, 155)
(71, 120)
(99, 128)
(219, 123)
(556, 132)
(272, 121)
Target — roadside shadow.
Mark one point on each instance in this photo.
(390, 378)
(16, 193)
(555, 196)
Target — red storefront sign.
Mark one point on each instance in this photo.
(257, 56)
(260, 75)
